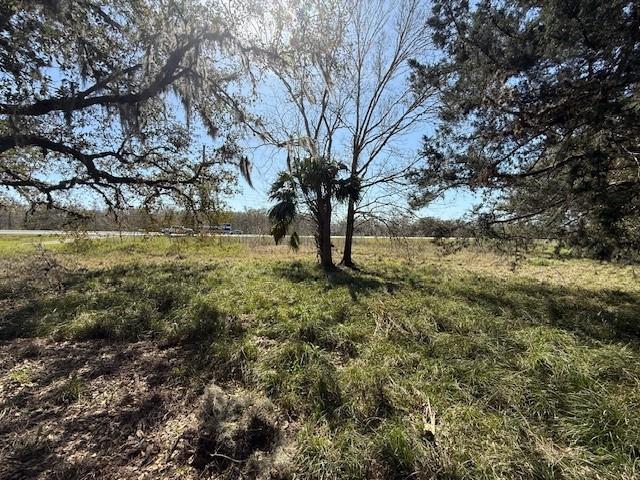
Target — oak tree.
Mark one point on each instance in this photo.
(99, 100)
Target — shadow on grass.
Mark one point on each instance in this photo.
(604, 315)
(123, 303)
(358, 282)
(134, 302)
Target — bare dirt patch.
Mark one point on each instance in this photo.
(94, 410)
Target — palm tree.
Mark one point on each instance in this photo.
(313, 182)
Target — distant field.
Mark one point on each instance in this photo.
(234, 358)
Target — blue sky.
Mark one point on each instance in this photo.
(279, 116)
(267, 164)
(455, 204)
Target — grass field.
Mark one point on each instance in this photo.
(188, 358)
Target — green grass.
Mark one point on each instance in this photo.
(70, 391)
(11, 244)
(417, 366)
(21, 376)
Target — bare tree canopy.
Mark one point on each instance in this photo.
(383, 39)
(340, 71)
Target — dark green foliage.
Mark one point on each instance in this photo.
(540, 111)
(283, 213)
(349, 189)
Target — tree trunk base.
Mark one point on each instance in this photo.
(349, 264)
(327, 266)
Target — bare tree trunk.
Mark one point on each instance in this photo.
(323, 236)
(324, 247)
(347, 260)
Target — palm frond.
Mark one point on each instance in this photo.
(284, 211)
(294, 241)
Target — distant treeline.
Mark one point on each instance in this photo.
(253, 221)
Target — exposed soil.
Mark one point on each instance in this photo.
(96, 410)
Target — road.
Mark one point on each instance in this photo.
(96, 233)
(112, 233)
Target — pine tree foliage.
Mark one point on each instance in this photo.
(540, 112)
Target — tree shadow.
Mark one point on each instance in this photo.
(145, 295)
(358, 282)
(603, 315)
(110, 425)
